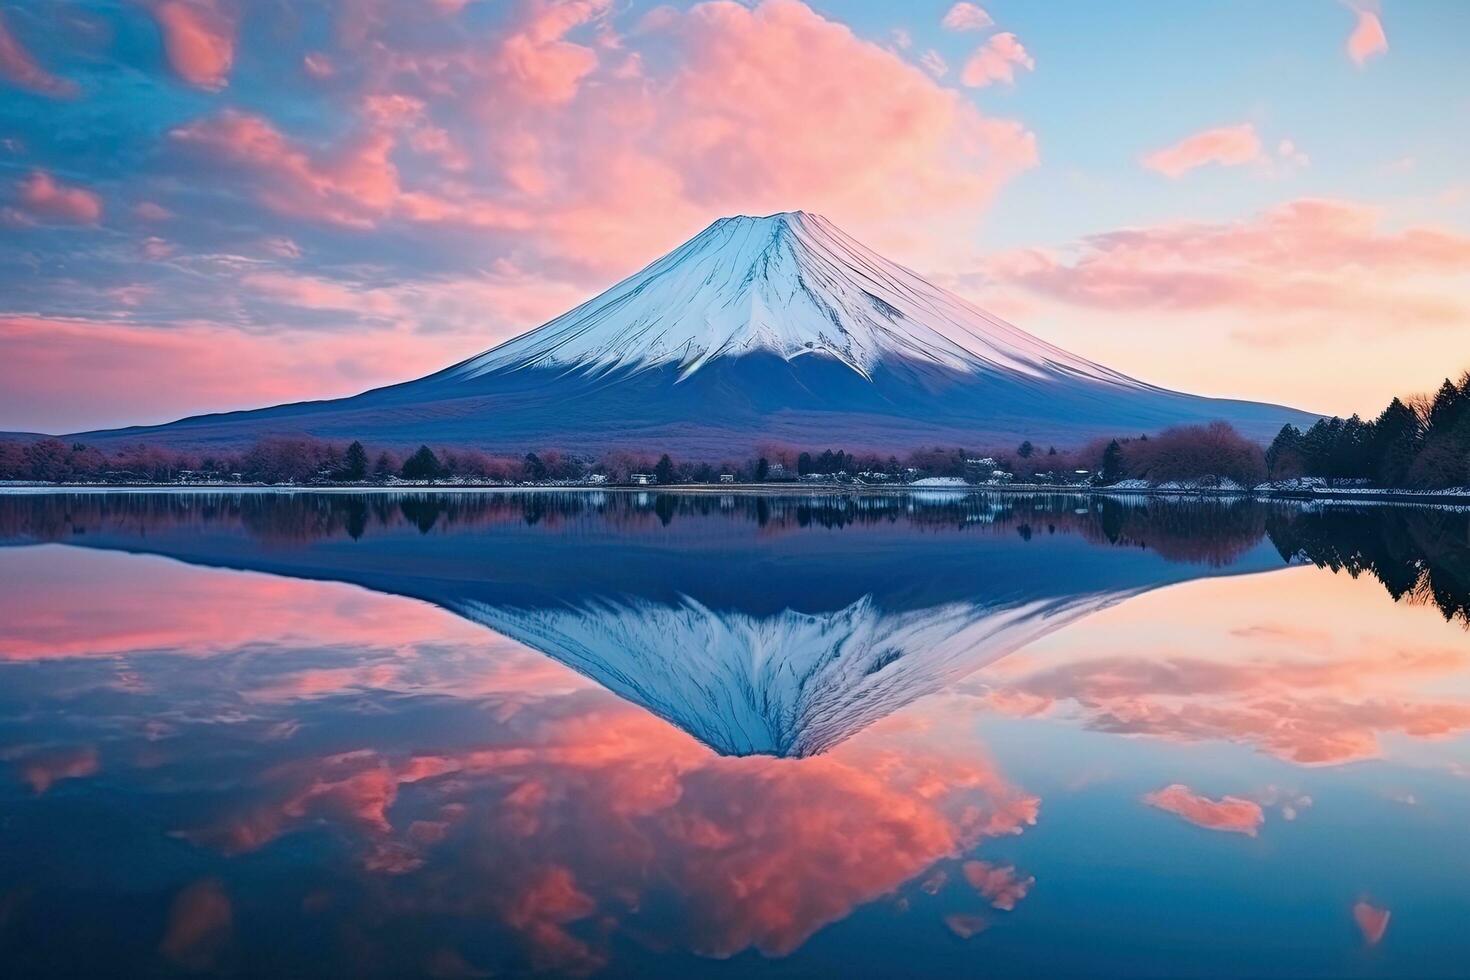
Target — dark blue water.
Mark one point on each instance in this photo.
(643, 734)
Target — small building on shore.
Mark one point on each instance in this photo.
(642, 479)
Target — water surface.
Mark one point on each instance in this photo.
(646, 734)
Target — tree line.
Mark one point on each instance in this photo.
(1421, 442)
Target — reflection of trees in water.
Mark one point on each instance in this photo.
(1421, 555)
(1214, 532)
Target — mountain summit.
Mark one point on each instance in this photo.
(758, 329)
(790, 284)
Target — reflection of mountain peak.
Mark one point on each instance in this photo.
(787, 684)
(753, 641)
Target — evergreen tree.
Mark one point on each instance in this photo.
(1397, 436)
(1444, 411)
(664, 470)
(355, 466)
(422, 465)
(762, 469)
(1284, 455)
(1025, 449)
(534, 468)
(383, 468)
(1318, 444)
(804, 464)
(1112, 463)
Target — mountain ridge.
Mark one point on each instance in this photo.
(780, 328)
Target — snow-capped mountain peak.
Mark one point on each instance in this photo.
(790, 284)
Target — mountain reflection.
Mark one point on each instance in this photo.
(762, 625)
(773, 626)
(292, 775)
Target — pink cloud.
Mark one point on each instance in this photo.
(150, 211)
(1367, 39)
(1000, 885)
(592, 157)
(1230, 814)
(1372, 921)
(355, 185)
(46, 768)
(19, 68)
(200, 922)
(1304, 257)
(763, 852)
(198, 38)
(996, 61)
(966, 926)
(537, 62)
(1308, 711)
(113, 369)
(41, 196)
(966, 17)
(1227, 146)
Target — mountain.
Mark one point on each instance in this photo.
(759, 329)
(773, 626)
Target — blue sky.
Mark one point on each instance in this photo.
(211, 204)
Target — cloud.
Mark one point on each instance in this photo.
(44, 769)
(966, 17)
(1228, 146)
(966, 926)
(1307, 257)
(200, 923)
(40, 196)
(1372, 921)
(996, 61)
(934, 63)
(1000, 885)
(1367, 39)
(114, 369)
(20, 69)
(762, 852)
(1229, 814)
(198, 39)
(1312, 697)
(599, 175)
(354, 185)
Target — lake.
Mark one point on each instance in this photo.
(643, 734)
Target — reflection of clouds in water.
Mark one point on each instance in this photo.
(1319, 696)
(1230, 814)
(611, 811)
(1372, 921)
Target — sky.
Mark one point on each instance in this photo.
(218, 204)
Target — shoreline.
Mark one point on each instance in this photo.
(1437, 498)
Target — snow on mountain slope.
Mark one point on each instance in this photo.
(757, 330)
(791, 284)
(791, 684)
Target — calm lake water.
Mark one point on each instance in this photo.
(645, 734)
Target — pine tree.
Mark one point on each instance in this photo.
(1397, 437)
(383, 468)
(664, 470)
(762, 469)
(1283, 456)
(355, 466)
(1112, 463)
(534, 468)
(1025, 449)
(422, 465)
